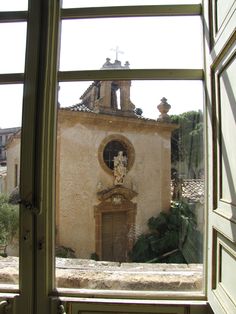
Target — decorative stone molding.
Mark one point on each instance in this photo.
(116, 199)
(125, 142)
(126, 193)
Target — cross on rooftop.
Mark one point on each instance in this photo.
(117, 51)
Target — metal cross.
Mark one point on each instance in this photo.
(117, 51)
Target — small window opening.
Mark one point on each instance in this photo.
(111, 150)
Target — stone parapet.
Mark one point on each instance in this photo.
(89, 274)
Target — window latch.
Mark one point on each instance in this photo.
(61, 309)
(4, 306)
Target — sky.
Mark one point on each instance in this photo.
(85, 44)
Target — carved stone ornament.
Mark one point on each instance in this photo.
(117, 199)
(117, 192)
(164, 108)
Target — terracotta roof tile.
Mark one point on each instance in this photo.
(78, 107)
(192, 189)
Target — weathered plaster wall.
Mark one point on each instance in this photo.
(150, 175)
(79, 175)
(13, 158)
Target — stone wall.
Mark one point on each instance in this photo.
(89, 274)
(13, 159)
(79, 173)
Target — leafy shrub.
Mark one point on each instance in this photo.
(9, 220)
(173, 238)
(65, 252)
(94, 256)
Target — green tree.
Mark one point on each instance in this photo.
(9, 220)
(187, 141)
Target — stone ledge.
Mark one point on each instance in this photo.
(89, 274)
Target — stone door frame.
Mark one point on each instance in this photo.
(113, 201)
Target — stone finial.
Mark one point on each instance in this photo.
(115, 65)
(107, 64)
(164, 108)
(127, 64)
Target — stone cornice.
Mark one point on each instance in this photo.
(106, 121)
(117, 190)
(14, 139)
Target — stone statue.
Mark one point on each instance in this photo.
(177, 187)
(120, 168)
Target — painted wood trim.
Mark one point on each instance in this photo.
(12, 78)
(125, 11)
(93, 306)
(136, 296)
(13, 16)
(25, 302)
(135, 74)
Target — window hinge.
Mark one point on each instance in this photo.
(29, 205)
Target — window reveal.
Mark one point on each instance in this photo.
(111, 150)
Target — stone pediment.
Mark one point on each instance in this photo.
(118, 191)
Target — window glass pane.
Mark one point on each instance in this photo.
(14, 5)
(103, 3)
(145, 95)
(130, 186)
(10, 123)
(145, 42)
(11, 105)
(12, 52)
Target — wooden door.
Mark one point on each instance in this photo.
(220, 44)
(114, 236)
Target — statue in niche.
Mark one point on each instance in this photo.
(120, 168)
(177, 187)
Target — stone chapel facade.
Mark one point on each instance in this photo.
(101, 204)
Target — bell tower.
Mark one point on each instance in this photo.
(110, 97)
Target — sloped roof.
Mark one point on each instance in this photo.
(192, 189)
(95, 83)
(14, 136)
(81, 107)
(9, 130)
(78, 107)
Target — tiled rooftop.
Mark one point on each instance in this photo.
(192, 189)
(78, 107)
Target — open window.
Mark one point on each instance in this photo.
(113, 163)
(97, 169)
(13, 28)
